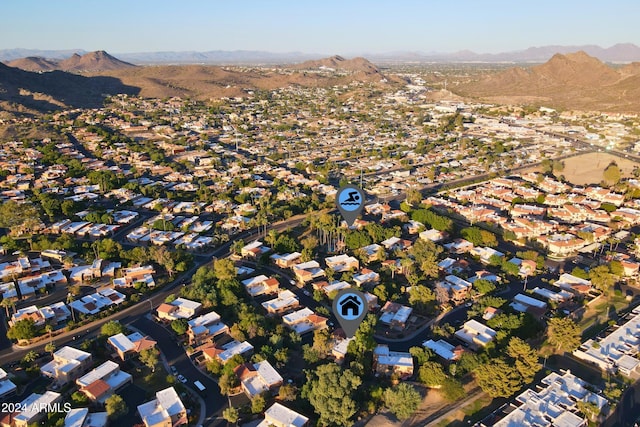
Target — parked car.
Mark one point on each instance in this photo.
(174, 371)
(182, 379)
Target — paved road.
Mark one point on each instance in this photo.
(176, 356)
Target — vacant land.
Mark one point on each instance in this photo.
(587, 168)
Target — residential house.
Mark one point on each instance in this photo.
(224, 352)
(285, 301)
(525, 304)
(103, 381)
(341, 263)
(372, 252)
(166, 410)
(395, 315)
(304, 320)
(366, 277)
(554, 402)
(179, 308)
(435, 236)
(308, 271)
(475, 334)
(261, 285)
(442, 348)
(561, 244)
(95, 303)
(7, 387)
(286, 260)
(459, 246)
(127, 346)
(205, 327)
(573, 284)
(258, 378)
(485, 254)
(35, 408)
(617, 352)
(68, 364)
(389, 363)
(254, 250)
(80, 417)
(280, 416)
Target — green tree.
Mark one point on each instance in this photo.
(421, 296)
(564, 333)
(589, 409)
(287, 392)
(111, 328)
(612, 174)
(24, 329)
(79, 399)
(432, 374)
(330, 391)
(179, 326)
(150, 356)
(15, 216)
(402, 400)
(602, 278)
(50, 348)
(258, 404)
(224, 269)
(498, 378)
(483, 286)
(231, 415)
(115, 406)
(525, 358)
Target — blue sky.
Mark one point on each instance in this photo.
(315, 26)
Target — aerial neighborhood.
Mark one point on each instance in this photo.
(169, 262)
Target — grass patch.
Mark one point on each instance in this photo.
(477, 405)
(152, 381)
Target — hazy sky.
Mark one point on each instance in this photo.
(315, 26)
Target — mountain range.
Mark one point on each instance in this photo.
(92, 61)
(572, 81)
(623, 52)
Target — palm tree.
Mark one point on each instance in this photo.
(69, 301)
(6, 303)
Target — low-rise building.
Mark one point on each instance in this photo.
(224, 352)
(101, 382)
(280, 416)
(304, 320)
(554, 402)
(258, 378)
(7, 387)
(127, 346)
(475, 333)
(442, 348)
(37, 406)
(342, 262)
(68, 364)
(395, 315)
(179, 308)
(204, 328)
(285, 301)
(166, 410)
(80, 417)
(389, 363)
(261, 285)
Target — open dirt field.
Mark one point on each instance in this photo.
(588, 168)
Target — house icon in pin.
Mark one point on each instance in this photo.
(350, 304)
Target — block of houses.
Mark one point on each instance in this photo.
(128, 346)
(475, 333)
(224, 352)
(131, 276)
(573, 284)
(280, 416)
(561, 244)
(205, 327)
(83, 273)
(617, 351)
(304, 320)
(80, 417)
(36, 408)
(286, 260)
(68, 364)
(103, 381)
(285, 301)
(95, 303)
(552, 403)
(179, 308)
(557, 297)
(395, 315)
(444, 349)
(261, 285)
(396, 244)
(165, 410)
(7, 387)
(254, 250)
(389, 363)
(457, 288)
(341, 263)
(257, 378)
(308, 271)
(526, 304)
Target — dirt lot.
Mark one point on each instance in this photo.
(588, 168)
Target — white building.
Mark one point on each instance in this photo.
(165, 410)
(281, 416)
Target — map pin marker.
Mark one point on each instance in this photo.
(350, 201)
(350, 307)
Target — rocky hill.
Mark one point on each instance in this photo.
(571, 81)
(89, 62)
